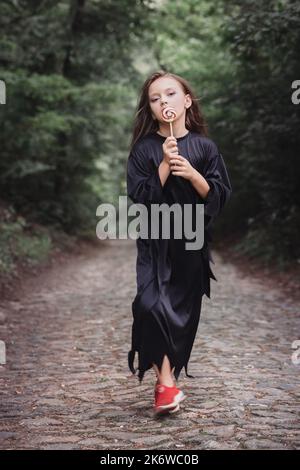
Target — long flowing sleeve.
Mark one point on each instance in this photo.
(143, 181)
(215, 173)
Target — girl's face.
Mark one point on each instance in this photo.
(166, 91)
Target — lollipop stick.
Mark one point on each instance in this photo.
(171, 128)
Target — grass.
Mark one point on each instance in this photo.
(21, 242)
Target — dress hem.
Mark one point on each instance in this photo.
(141, 373)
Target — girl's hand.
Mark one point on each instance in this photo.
(169, 149)
(180, 166)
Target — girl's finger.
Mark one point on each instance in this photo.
(177, 169)
(179, 158)
(176, 159)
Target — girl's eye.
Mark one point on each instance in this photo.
(155, 99)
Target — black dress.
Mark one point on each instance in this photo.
(170, 279)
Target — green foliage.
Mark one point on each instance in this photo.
(20, 242)
(65, 124)
(264, 42)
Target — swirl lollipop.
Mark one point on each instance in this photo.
(169, 114)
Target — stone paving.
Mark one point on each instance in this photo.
(66, 383)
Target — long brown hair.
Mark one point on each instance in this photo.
(144, 123)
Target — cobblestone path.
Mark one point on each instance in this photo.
(66, 383)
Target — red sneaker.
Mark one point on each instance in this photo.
(167, 398)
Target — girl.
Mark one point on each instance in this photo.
(171, 280)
